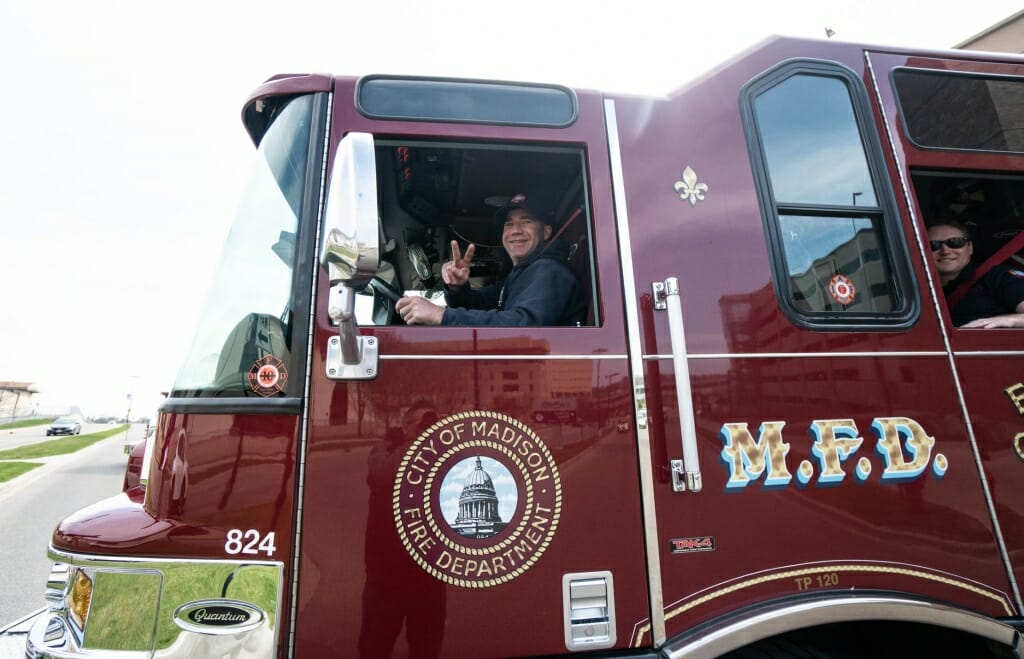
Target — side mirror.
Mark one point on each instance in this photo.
(351, 252)
(351, 243)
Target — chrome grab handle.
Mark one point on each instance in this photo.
(685, 472)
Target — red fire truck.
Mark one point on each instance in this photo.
(817, 462)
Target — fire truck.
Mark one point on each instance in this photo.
(816, 461)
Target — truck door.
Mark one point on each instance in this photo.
(964, 162)
(801, 409)
(446, 510)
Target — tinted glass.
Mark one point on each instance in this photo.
(836, 264)
(812, 143)
(246, 324)
(957, 111)
(447, 100)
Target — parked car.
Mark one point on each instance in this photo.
(65, 425)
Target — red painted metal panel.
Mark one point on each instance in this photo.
(211, 473)
(368, 569)
(930, 535)
(989, 361)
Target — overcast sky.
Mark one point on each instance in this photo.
(122, 154)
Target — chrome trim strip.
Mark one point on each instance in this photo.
(932, 288)
(505, 357)
(720, 355)
(742, 630)
(799, 355)
(103, 560)
(300, 459)
(643, 438)
(989, 353)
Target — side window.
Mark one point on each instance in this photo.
(433, 193)
(989, 209)
(243, 343)
(961, 111)
(838, 255)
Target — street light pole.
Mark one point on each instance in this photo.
(128, 418)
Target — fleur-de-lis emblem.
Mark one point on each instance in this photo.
(689, 188)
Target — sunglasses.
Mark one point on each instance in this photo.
(952, 243)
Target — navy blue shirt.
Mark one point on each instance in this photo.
(997, 292)
(541, 290)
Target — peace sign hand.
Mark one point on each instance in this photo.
(455, 273)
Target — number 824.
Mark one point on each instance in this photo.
(250, 542)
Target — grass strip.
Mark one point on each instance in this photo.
(10, 470)
(27, 423)
(61, 446)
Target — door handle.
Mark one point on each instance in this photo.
(685, 472)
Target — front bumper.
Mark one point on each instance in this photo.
(144, 607)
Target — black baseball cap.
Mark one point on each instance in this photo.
(522, 201)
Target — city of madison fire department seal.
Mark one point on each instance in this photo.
(477, 499)
(267, 376)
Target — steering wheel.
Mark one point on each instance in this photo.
(384, 289)
(386, 296)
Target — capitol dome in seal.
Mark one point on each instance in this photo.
(478, 506)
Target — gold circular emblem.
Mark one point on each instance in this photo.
(477, 499)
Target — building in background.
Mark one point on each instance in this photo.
(1006, 36)
(16, 399)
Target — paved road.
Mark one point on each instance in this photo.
(32, 504)
(33, 434)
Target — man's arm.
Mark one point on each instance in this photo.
(416, 310)
(1015, 319)
(540, 296)
(1008, 289)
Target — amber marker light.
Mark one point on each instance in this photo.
(80, 598)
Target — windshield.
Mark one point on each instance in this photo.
(242, 346)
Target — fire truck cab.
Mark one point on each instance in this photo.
(816, 459)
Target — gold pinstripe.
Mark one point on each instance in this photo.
(789, 574)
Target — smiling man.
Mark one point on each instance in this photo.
(540, 289)
(994, 299)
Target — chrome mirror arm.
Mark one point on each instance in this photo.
(349, 355)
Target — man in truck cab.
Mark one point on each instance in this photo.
(540, 290)
(978, 299)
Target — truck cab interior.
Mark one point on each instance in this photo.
(991, 206)
(431, 193)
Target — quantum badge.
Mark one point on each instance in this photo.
(268, 376)
(477, 499)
